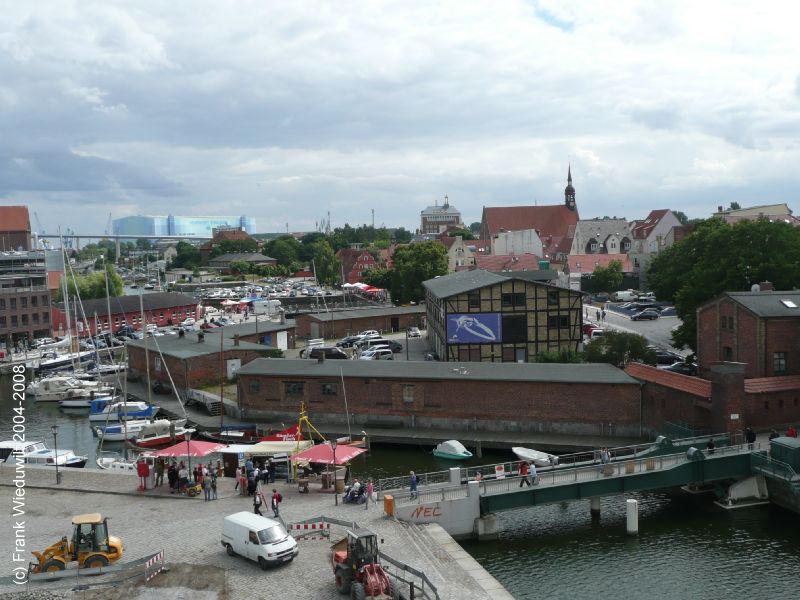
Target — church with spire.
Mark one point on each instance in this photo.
(554, 224)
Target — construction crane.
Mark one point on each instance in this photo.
(40, 231)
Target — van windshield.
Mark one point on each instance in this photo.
(273, 534)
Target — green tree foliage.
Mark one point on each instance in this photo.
(608, 279)
(240, 267)
(717, 257)
(143, 244)
(285, 250)
(188, 256)
(681, 216)
(226, 246)
(378, 277)
(325, 263)
(619, 348)
(401, 236)
(734, 206)
(465, 234)
(475, 228)
(414, 264)
(92, 285)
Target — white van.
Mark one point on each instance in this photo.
(260, 539)
(626, 296)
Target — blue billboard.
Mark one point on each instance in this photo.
(475, 328)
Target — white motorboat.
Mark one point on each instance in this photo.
(56, 362)
(453, 450)
(162, 432)
(117, 432)
(62, 387)
(112, 461)
(37, 453)
(112, 412)
(83, 401)
(540, 459)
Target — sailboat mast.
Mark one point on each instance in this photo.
(221, 384)
(66, 300)
(346, 410)
(146, 353)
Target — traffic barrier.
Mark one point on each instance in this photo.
(156, 559)
(316, 531)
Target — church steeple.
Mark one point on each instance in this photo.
(569, 191)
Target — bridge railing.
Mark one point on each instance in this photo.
(774, 468)
(423, 480)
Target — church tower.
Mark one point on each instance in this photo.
(569, 191)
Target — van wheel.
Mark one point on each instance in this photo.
(262, 563)
(229, 550)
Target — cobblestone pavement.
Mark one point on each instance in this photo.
(188, 530)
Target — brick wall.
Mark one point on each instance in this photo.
(660, 404)
(524, 406)
(342, 327)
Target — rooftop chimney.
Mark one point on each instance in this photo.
(766, 286)
(719, 208)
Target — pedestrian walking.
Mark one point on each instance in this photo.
(711, 446)
(605, 457)
(257, 504)
(213, 486)
(750, 436)
(159, 472)
(534, 476)
(603, 315)
(412, 484)
(791, 432)
(276, 500)
(238, 477)
(207, 488)
(773, 434)
(523, 473)
(370, 491)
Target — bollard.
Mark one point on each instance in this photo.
(633, 516)
(594, 507)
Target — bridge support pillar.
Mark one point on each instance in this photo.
(594, 507)
(118, 251)
(487, 527)
(632, 521)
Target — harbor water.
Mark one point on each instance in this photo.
(687, 546)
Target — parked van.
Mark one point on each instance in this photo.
(371, 343)
(328, 352)
(260, 539)
(626, 296)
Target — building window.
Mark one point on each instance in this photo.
(35, 317)
(2, 321)
(24, 319)
(45, 300)
(558, 322)
(626, 245)
(34, 301)
(552, 298)
(12, 302)
(328, 389)
(593, 247)
(779, 362)
(157, 363)
(2, 304)
(23, 302)
(727, 353)
(515, 329)
(408, 393)
(255, 387)
(45, 317)
(14, 322)
(293, 388)
(516, 300)
(475, 300)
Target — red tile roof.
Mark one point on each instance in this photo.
(511, 262)
(587, 263)
(641, 229)
(14, 218)
(555, 223)
(763, 385)
(675, 381)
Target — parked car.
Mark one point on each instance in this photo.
(348, 341)
(683, 368)
(369, 333)
(665, 357)
(588, 328)
(414, 332)
(649, 296)
(395, 346)
(328, 352)
(431, 356)
(645, 315)
(377, 354)
(188, 322)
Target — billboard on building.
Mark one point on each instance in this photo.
(474, 328)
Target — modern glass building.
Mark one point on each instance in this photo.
(173, 225)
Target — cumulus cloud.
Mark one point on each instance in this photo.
(284, 111)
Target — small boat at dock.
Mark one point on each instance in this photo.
(540, 459)
(452, 450)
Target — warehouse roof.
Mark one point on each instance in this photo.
(466, 281)
(189, 346)
(473, 371)
(769, 303)
(128, 304)
(365, 313)
(251, 327)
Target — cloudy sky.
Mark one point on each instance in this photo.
(286, 110)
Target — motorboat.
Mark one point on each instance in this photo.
(61, 387)
(37, 453)
(452, 450)
(119, 432)
(120, 411)
(112, 461)
(82, 401)
(57, 362)
(540, 459)
(162, 432)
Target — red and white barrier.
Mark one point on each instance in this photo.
(316, 531)
(156, 558)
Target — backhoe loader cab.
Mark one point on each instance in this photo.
(90, 545)
(357, 570)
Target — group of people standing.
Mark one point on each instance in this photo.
(251, 477)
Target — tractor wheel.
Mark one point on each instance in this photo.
(357, 591)
(96, 560)
(229, 550)
(343, 581)
(52, 565)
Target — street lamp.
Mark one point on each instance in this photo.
(54, 429)
(335, 489)
(406, 343)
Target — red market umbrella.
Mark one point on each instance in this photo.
(193, 448)
(323, 453)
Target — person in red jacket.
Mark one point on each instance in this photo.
(791, 432)
(523, 473)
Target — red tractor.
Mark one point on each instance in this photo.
(357, 570)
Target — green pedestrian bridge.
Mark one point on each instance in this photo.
(453, 498)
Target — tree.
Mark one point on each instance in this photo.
(734, 206)
(681, 216)
(414, 264)
(143, 244)
(402, 236)
(718, 257)
(285, 249)
(465, 234)
(93, 285)
(227, 246)
(240, 267)
(475, 228)
(378, 277)
(608, 278)
(188, 256)
(619, 348)
(326, 265)
(564, 355)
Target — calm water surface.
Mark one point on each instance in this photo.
(687, 547)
